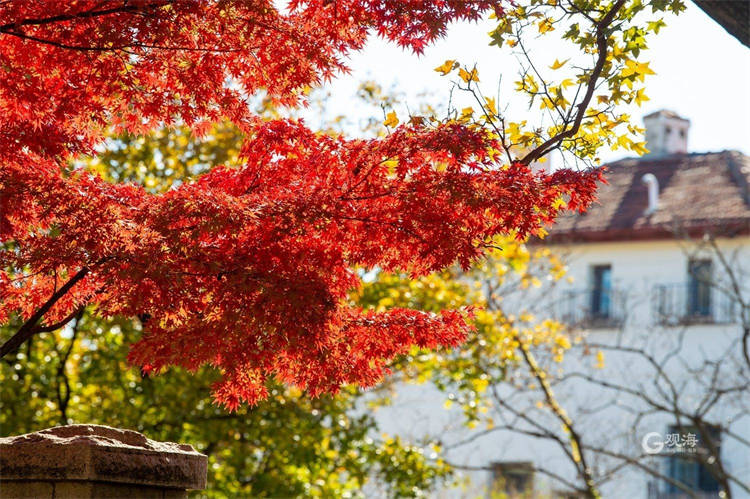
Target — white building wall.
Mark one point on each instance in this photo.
(637, 266)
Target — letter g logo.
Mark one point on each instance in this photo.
(652, 443)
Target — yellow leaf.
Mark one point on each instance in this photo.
(599, 360)
(617, 52)
(641, 97)
(491, 106)
(558, 64)
(467, 77)
(655, 26)
(637, 70)
(545, 25)
(546, 103)
(480, 385)
(391, 120)
(624, 141)
(644, 69)
(533, 87)
(639, 148)
(446, 67)
(391, 165)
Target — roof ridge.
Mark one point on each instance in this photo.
(660, 157)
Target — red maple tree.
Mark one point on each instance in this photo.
(246, 269)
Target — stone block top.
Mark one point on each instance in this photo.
(103, 454)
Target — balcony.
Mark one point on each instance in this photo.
(655, 493)
(591, 308)
(671, 305)
(686, 304)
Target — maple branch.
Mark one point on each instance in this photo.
(601, 44)
(59, 324)
(13, 29)
(30, 328)
(67, 46)
(9, 28)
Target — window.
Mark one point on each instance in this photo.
(699, 288)
(564, 494)
(687, 466)
(516, 479)
(601, 294)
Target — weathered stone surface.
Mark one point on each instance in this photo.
(22, 490)
(85, 490)
(100, 454)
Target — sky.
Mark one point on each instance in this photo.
(703, 74)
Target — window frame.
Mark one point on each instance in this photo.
(601, 291)
(505, 471)
(699, 288)
(699, 478)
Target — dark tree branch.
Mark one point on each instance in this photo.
(601, 44)
(64, 398)
(30, 327)
(89, 14)
(59, 324)
(86, 48)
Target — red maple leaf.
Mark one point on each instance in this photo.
(245, 269)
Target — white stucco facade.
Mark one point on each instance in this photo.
(650, 309)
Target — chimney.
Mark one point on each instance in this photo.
(653, 192)
(666, 132)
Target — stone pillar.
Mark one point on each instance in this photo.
(87, 461)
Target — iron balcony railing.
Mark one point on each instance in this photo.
(655, 491)
(596, 308)
(688, 303)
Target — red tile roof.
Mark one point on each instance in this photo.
(697, 193)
